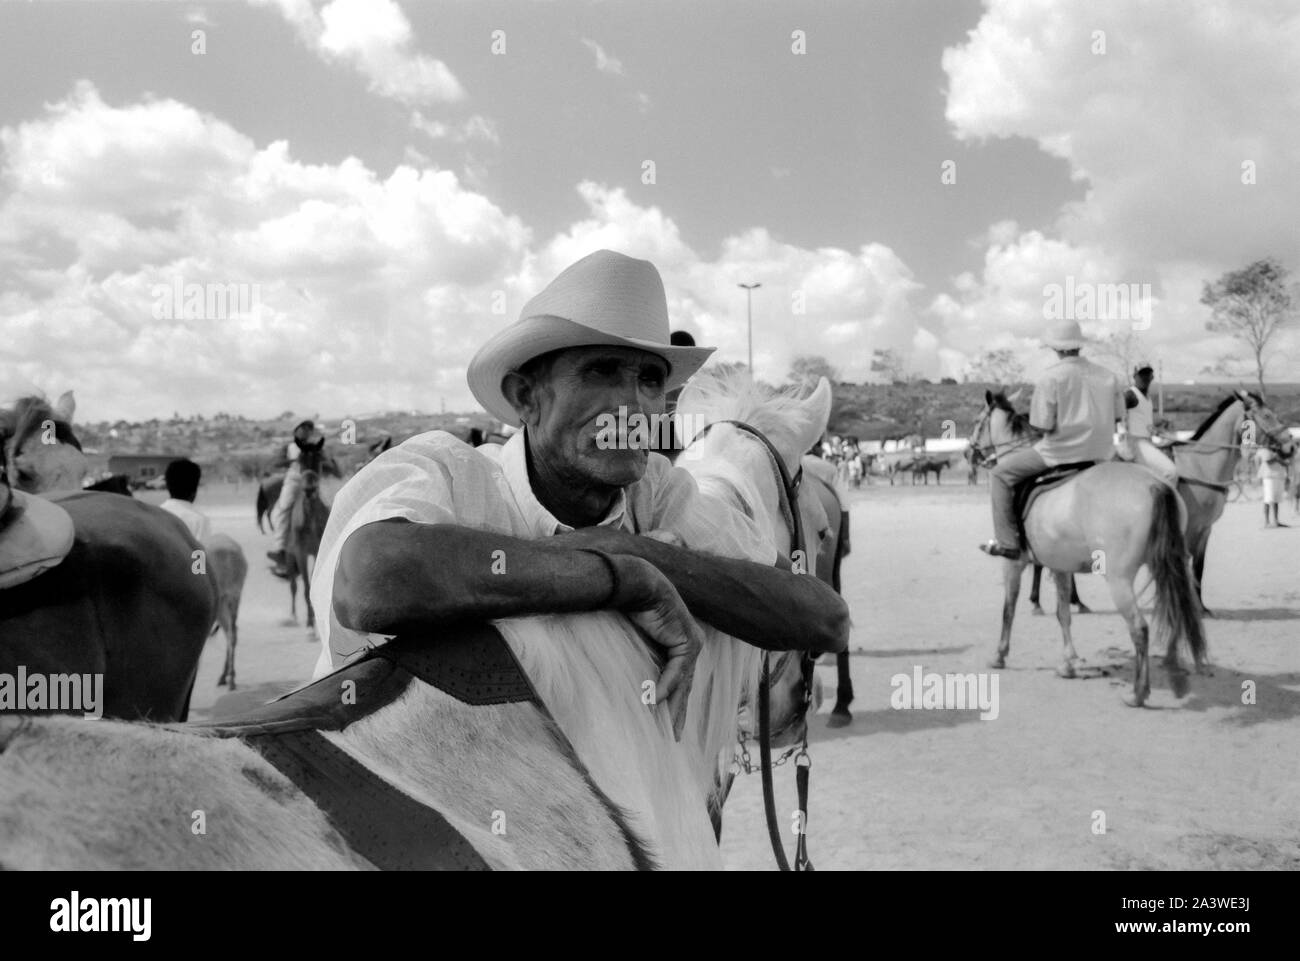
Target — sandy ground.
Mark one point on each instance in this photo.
(1205, 782)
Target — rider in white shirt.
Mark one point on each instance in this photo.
(1140, 421)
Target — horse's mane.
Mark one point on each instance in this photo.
(1019, 422)
(26, 417)
(731, 394)
(1218, 411)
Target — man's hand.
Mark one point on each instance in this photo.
(651, 603)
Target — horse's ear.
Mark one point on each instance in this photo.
(988, 398)
(1012, 398)
(817, 413)
(65, 406)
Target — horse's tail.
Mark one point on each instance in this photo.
(1177, 612)
(263, 510)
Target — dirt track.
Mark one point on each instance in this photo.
(1205, 782)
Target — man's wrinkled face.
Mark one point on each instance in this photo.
(564, 418)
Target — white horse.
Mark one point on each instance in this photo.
(600, 784)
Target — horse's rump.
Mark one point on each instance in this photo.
(126, 602)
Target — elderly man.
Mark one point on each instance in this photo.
(434, 531)
(1076, 404)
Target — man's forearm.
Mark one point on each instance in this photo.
(395, 575)
(769, 607)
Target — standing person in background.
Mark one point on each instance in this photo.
(1272, 474)
(670, 443)
(183, 478)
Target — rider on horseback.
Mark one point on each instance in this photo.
(302, 435)
(1140, 421)
(1075, 404)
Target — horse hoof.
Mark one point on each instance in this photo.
(840, 717)
(1132, 700)
(998, 662)
(1179, 684)
(1206, 612)
(1085, 609)
(1037, 611)
(1066, 671)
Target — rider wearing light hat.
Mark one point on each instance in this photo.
(1075, 404)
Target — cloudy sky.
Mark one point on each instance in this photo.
(388, 182)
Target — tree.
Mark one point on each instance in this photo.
(1120, 350)
(995, 367)
(889, 364)
(806, 371)
(1251, 305)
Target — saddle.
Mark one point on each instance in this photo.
(381, 823)
(1028, 491)
(35, 535)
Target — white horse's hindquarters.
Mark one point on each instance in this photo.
(106, 795)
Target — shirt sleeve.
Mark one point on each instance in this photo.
(414, 482)
(706, 521)
(1042, 409)
(1121, 405)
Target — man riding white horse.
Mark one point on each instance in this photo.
(1076, 404)
(434, 531)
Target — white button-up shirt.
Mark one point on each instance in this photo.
(434, 478)
(1079, 402)
(194, 519)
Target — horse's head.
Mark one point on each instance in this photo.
(736, 467)
(1268, 431)
(998, 428)
(39, 453)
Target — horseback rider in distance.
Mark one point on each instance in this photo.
(1076, 404)
(302, 441)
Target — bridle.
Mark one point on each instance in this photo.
(980, 452)
(789, 491)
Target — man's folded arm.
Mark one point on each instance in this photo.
(769, 607)
(394, 575)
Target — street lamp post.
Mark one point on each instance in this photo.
(749, 315)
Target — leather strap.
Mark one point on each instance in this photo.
(382, 824)
(1197, 482)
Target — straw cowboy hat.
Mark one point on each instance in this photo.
(605, 299)
(1065, 335)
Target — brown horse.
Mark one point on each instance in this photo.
(1111, 519)
(129, 602)
(307, 521)
(1208, 460)
(228, 568)
(834, 547)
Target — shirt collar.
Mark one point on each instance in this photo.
(514, 465)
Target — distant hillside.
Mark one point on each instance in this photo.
(229, 447)
(876, 411)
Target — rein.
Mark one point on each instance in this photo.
(789, 490)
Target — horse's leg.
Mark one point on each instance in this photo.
(840, 715)
(1121, 592)
(223, 621)
(1198, 569)
(1011, 574)
(232, 639)
(306, 564)
(1036, 608)
(1074, 596)
(1063, 582)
